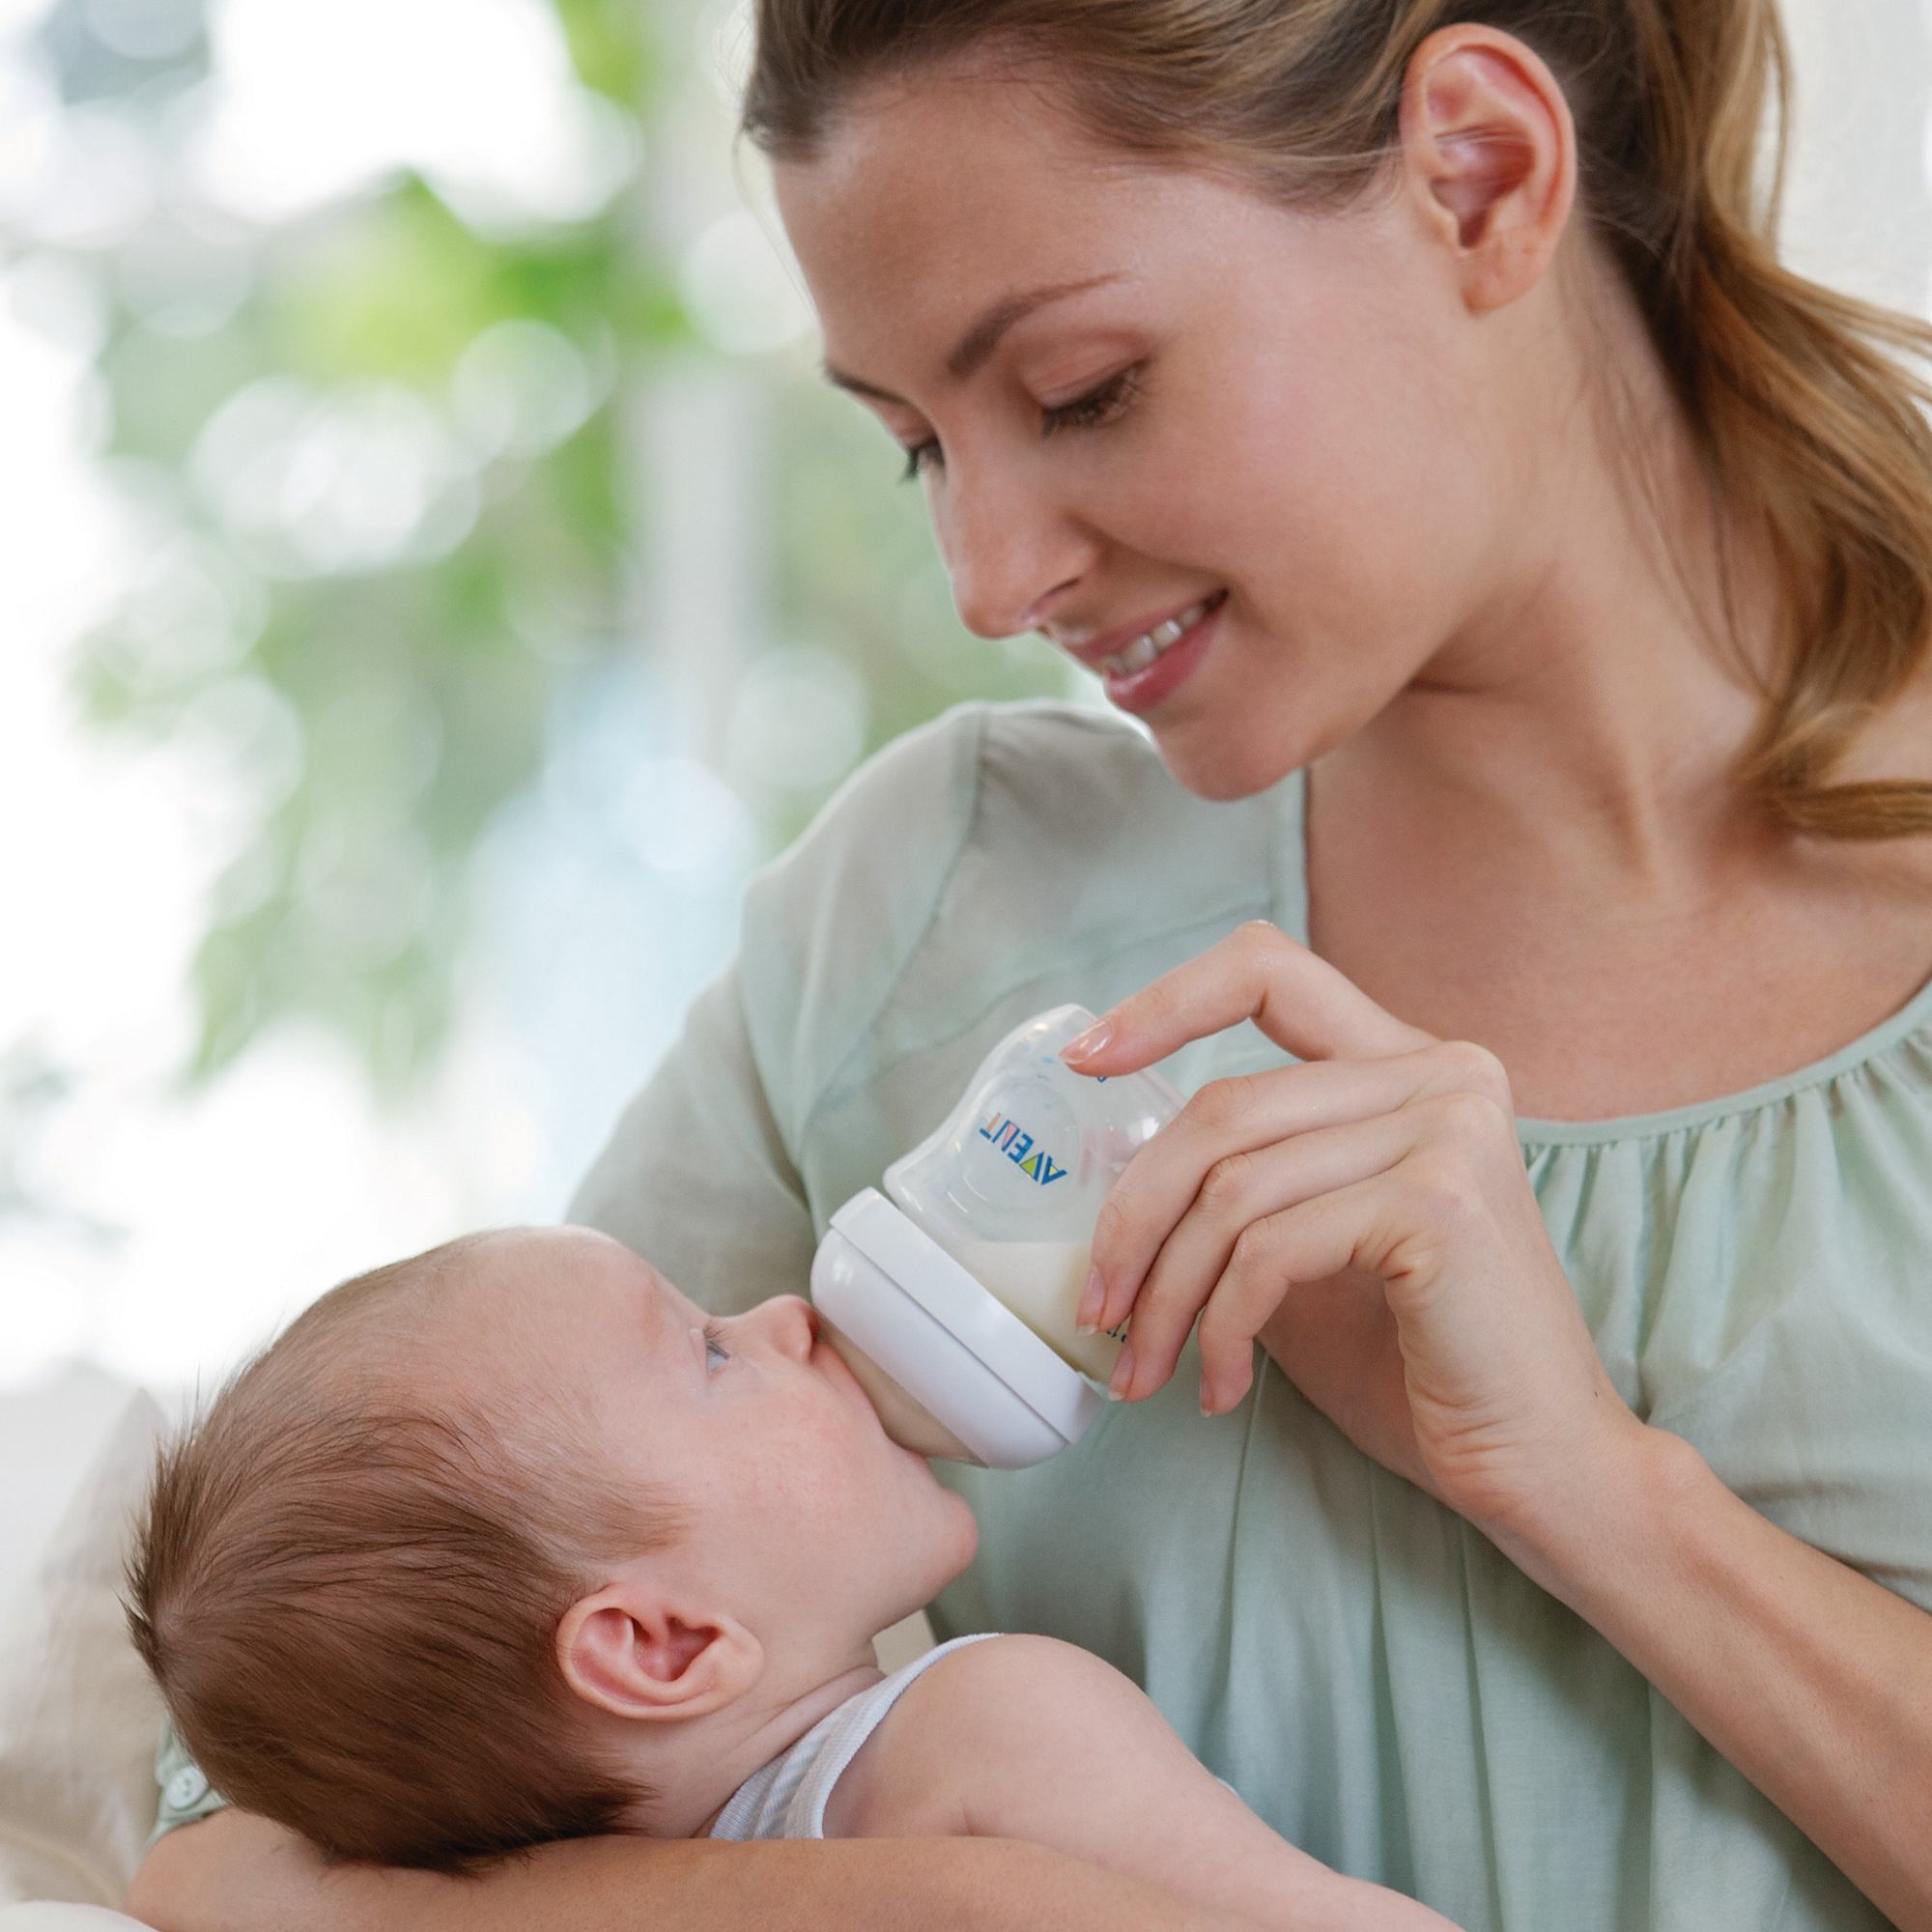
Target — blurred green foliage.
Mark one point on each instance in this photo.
(380, 713)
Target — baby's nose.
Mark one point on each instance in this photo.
(797, 1324)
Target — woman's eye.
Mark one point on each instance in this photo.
(1096, 407)
(1089, 412)
(714, 1344)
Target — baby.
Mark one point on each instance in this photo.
(511, 1542)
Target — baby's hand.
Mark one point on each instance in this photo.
(1026, 1737)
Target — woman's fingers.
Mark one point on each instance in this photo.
(1312, 1242)
(1259, 972)
(1232, 1256)
(1229, 1120)
(1367, 1215)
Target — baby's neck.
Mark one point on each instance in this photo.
(698, 1770)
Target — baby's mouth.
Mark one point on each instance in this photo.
(909, 1429)
(837, 1372)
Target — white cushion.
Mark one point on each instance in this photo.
(80, 1719)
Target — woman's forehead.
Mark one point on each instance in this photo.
(908, 236)
(915, 177)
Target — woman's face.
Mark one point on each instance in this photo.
(1299, 412)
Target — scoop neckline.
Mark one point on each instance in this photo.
(1535, 1132)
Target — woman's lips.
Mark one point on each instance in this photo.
(1142, 690)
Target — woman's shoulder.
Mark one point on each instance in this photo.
(984, 847)
(1050, 764)
(1032, 789)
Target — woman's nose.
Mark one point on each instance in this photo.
(1005, 551)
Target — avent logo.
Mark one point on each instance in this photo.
(1035, 1163)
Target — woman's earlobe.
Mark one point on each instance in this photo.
(626, 1650)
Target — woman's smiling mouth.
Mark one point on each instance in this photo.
(1151, 644)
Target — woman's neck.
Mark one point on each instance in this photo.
(1586, 720)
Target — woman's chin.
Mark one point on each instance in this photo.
(1205, 763)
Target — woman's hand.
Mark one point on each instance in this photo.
(1367, 1216)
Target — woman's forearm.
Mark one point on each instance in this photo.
(1813, 1680)
(234, 1873)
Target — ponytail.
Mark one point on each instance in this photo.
(1806, 407)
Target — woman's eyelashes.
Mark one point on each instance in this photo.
(1097, 407)
(714, 1343)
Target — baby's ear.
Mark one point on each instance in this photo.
(629, 1650)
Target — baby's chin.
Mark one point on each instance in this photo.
(969, 1533)
(938, 1550)
(963, 1528)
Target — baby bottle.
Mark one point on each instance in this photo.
(953, 1301)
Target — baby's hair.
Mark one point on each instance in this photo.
(348, 1592)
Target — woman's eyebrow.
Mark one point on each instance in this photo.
(970, 352)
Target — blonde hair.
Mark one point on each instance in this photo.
(1802, 409)
(348, 1595)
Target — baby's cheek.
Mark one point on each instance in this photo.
(813, 1469)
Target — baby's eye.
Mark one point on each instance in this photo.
(712, 1340)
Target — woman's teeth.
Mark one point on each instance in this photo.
(1150, 644)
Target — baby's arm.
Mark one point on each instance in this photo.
(1026, 1737)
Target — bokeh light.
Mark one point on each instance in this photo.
(523, 387)
(349, 480)
(306, 110)
(737, 290)
(799, 720)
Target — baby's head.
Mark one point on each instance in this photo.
(494, 1542)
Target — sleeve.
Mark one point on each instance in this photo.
(186, 1794)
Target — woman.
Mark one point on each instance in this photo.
(1525, 583)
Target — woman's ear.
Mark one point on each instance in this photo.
(1491, 148)
(626, 1649)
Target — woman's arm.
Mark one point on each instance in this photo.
(1368, 1216)
(234, 1873)
(1814, 1681)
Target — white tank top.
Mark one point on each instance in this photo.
(786, 1799)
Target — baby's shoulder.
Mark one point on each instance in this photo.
(911, 1777)
(1016, 1663)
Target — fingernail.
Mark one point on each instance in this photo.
(1090, 1043)
(1209, 1405)
(1092, 1297)
(1124, 1374)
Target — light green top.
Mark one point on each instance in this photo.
(1377, 1680)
